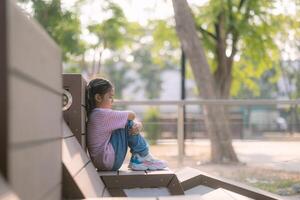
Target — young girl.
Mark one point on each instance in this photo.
(110, 132)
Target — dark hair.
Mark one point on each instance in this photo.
(96, 86)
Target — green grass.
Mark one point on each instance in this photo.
(276, 185)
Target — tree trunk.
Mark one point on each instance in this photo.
(215, 117)
(223, 72)
(83, 64)
(92, 74)
(99, 62)
(297, 119)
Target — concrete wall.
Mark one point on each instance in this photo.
(34, 126)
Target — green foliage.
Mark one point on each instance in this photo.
(72, 69)
(260, 87)
(134, 32)
(116, 72)
(114, 33)
(62, 25)
(151, 124)
(149, 72)
(111, 33)
(253, 27)
(164, 35)
(165, 45)
(155, 50)
(256, 64)
(278, 185)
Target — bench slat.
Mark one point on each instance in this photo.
(73, 156)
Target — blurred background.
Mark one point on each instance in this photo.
(134, 44)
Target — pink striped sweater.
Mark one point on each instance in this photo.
(99, 129)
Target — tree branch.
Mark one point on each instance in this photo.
(202, 30)
(234, 32)
(231, 18)
(229, 2)
(247, 13)
(235, 38)
(241, 4)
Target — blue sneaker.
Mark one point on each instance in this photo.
(139, 163)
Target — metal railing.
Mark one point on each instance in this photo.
(180, 110)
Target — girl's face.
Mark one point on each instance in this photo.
(107, 99)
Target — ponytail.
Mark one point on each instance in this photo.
(90, 105)
(96, 86)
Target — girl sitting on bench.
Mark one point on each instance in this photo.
(110, 132)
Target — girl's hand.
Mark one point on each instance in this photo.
(136, 128)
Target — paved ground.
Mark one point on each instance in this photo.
(281, 155)
(277, 155)
(296, 197)
(270, 158)
(260, 158)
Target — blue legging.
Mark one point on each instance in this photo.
(121, 139)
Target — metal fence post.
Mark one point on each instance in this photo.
(180, 132)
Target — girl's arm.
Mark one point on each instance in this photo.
(131, 115)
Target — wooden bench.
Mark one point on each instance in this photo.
(81, 180)
(76, 160)
(194, 181)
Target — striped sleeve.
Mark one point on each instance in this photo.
(116, 119)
